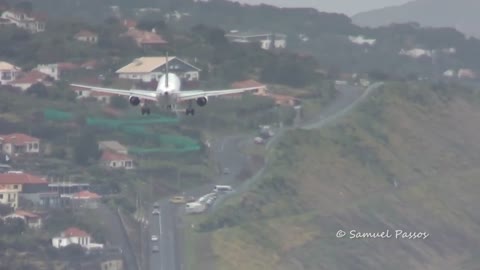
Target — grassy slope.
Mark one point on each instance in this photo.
(423, 138)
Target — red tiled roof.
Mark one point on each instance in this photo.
(112, 156)
(85, 194)
(247, 83)
(74, 232)
(25, 214)
(31, 77)
(89, 64)
(18, 139)
(129, 23)
(145, 37)
(85, 33)
(20, 178)
(66, 66)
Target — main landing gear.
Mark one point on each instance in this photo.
(145, 110)
(190, 111)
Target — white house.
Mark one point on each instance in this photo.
(148, 69)
(266, 40)
(74, 236)
(116, 160)
(8, 72)
(32, 220)
(24, 21)
(9, 195)
(87, 36)
(51, 70)
(360, 40)
(16, 143)
(30, 78)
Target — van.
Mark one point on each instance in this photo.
(219, 188)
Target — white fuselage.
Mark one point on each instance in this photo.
(170, 86)
(168, 90)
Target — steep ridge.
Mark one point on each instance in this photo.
(406, 159)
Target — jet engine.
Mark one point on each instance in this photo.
(134, 101)
(202, 101)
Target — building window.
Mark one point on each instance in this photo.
(114, 164)
(15, 186)
(35, 146)
(1, 196)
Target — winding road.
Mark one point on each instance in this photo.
(227, 152)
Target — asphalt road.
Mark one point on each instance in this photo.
(227, 152)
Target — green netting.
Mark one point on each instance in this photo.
(173, 144)
(57, 115)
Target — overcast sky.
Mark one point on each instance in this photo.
(349, 7)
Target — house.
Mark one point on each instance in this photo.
(145, 39)
(112, 263)
(466, 74)
(18, 143)
(129, 24)
(28, 79)
(102, 97)
(85, 199)
(263, 91)
(113, 146)
(77, 236)
(33, 24)
(8, 72)
(116, 160)
(5, 22)
(9, 195)
(265, 39)
(86, 36)
(56, 70)
(32, 220)
(244, 84)
(152, 68)
(24, 182)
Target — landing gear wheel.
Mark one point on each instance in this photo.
(145, 111)
(190, 111)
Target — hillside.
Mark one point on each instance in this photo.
(407, 159)
(461, 14)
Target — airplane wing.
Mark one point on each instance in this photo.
(145, 94)
(193, 94)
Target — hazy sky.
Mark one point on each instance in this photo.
(349, 7)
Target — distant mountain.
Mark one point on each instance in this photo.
(461, 14)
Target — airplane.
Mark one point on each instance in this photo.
(168, 93)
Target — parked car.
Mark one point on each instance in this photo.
(155, 249)
(154, 238)
(178, 199)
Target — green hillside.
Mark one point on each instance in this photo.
(407, 159)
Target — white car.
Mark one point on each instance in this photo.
(154, 238)
(156, 212)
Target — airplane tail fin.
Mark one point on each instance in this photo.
(166, 69)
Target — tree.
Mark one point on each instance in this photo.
(86, 149)
(118, 102)
(39, 90)
(5, 209)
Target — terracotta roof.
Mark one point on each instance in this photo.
(247, 83)
(25, 214)
(8, 66)
(129, 23)
(85, 33)
(20, 178)
(145, 37)
(66, 66)
(31, 77)
(18, 138)
(89, 64)
(112, 156)
(74, 232)
(85, 194)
